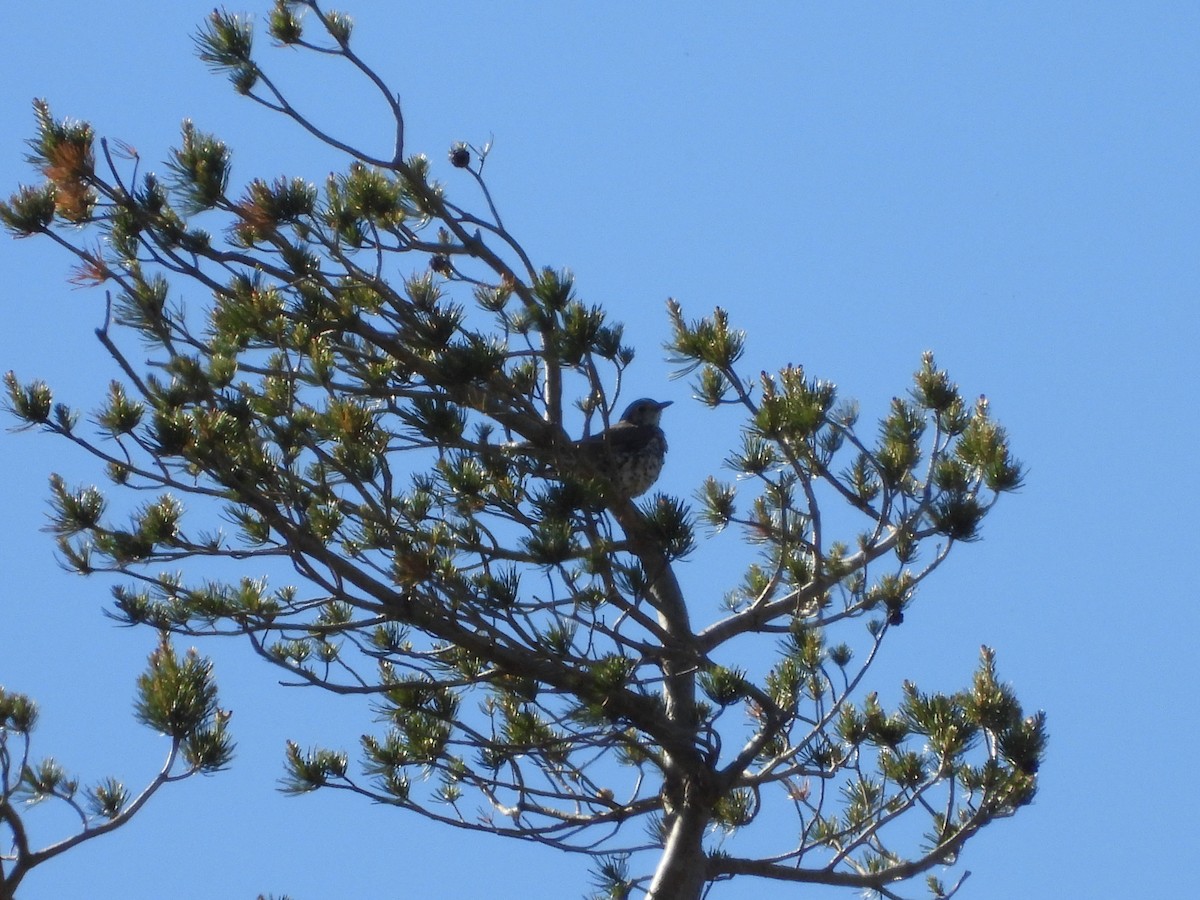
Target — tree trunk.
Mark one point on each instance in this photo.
(682, 872)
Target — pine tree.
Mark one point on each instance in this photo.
(411, 448)
(175, 696)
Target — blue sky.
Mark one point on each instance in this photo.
(1014, 186)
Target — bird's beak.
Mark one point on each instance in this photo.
(665, 403)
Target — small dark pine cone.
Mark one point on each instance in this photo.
(460, 156)
(440, 264)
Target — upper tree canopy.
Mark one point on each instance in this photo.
(378, 386)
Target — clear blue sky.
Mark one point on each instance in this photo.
(1014, 186)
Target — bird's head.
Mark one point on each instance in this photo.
(644, 411)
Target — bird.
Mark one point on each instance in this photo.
(628, 455)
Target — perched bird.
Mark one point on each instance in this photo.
(628, 454)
